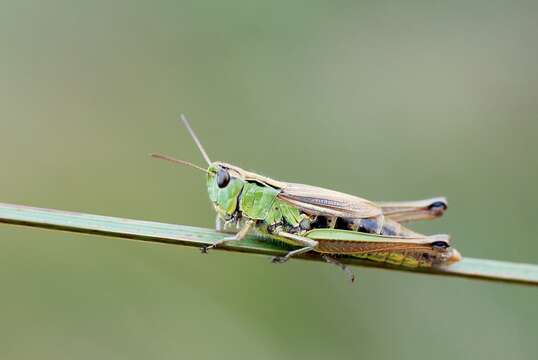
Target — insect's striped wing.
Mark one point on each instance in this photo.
(320, 201)
(414, 210)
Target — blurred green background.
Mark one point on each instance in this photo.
(388, 100)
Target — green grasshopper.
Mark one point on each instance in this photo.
(321, 220)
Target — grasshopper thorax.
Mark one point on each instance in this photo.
(238, 193)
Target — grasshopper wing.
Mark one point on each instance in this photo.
(405, 211)
(319, 201)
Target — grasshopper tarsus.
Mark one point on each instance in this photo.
(279, 259)
(205, 249)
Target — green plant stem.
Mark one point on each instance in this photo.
(197, 237)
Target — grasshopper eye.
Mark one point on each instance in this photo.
(223, 178)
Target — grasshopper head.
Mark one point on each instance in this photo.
(224, 181)
(224, 184)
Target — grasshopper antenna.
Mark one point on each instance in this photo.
(195, 138)
(177, 161)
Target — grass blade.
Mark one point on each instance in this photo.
(197, 237)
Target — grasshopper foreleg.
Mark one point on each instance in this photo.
(308, 245)
(230, 226)
(239, 236)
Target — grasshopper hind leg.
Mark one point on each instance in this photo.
(333, 261)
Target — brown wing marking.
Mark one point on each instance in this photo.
(366, 248)
(320, 201)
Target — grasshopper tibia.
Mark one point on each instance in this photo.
(332, 260)
(239, 236)
(308, 244)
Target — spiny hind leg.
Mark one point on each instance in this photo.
(308, 245)
(333, 261)
(239, 236)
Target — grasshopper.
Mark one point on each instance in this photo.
(316, 219)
